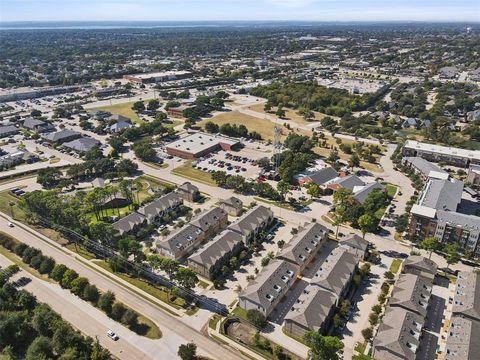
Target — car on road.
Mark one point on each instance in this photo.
(10, 225)
(112, 335)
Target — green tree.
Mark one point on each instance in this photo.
(40, 348)
(118, 309)
(367, 223)
(68, 278)
(57, 272)
(153, 104)
(79, 285)
(138, 106)
(130, 318)
(187, 351)
(354, 161)
(211, 127)
(49, 177)
(313, 190)
(451, 254)
(186, 277)
(322, 347)
(105, 302)
(256, 318)
(90, 293)
(430, 244)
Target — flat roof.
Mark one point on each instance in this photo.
(159, 74)
(463, 153)
(423, 211)
(198, 142)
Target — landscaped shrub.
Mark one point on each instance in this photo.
(20, 248)
(105, 302)
(90, 293)
(118, 309)
(29, 253)
(57, 272)
(67, 279)
(47, 265)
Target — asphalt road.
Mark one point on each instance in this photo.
(83, 316)
(175, 331)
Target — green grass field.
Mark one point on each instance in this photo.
(124, 109)
(187, 171)
(395, 265)
(264, 127)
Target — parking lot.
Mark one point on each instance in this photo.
(233, 163)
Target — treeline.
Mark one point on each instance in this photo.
(310, 96)
(95, 165)
(237, 131)
(79, 286)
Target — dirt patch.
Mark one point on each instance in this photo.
(241, 332)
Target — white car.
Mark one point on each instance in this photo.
(112, 335)
(10, 224)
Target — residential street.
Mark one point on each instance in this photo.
(176, 331)
(86, 318)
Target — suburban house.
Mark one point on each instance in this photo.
(305, 245)
(188, 192)
(119, 126)
(252, 222)
(36, 125)
(181, 243)
(209, 259)
(129, 223)
(82, 145)
(347, 182)
(211, 221)
(360, 193)
(155, 210)
(398, 335)
(8, 130)
(319, 177)
(61, 136)
(233, 206)
(269, 287)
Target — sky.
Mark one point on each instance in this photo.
(308, 10)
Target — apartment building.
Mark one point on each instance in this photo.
(437, 153)
(252, 222)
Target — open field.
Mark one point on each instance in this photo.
(187, 171)
(290, 114)
(124, 109)
(264, 127)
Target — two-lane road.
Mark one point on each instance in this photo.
(175, 330)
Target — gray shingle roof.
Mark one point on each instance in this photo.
(362, 194)
(7, 129)
(271, 282)
(217, 248)
(209, 218)
(128, 222)
(422, 165)
(324, 175)
(355, 241)
(156, 207)
(307, 241)
(312, 308)
(188, 187)
(83, 144)
(232, 202)
(181, 239)
(251, 220)
(467, 295)
(412, 292)
(420, 263)
(60, 135)
(394, 334)
(335, 271)
(462, 339)
(442, 194)
(349, 181)
(31, 123)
